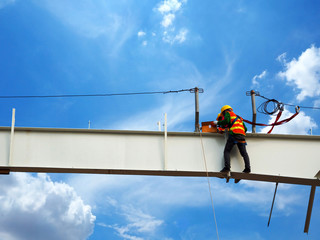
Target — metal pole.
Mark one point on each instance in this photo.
(197, 125)
(165, 141)
(254, 110)
(307, 223)
(12, 135)
(274, 197)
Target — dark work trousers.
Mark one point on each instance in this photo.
(242, 148)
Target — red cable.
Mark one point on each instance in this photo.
(273, 124)
(277, 118)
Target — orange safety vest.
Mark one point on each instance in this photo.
(237, 126)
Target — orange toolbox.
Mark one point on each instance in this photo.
(209, 127)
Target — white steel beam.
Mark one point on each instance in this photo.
(274, 158)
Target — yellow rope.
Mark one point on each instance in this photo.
(209, 185)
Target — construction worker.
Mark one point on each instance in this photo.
(237, 132)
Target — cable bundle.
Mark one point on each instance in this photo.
(270, 107)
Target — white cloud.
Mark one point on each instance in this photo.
(180, 37)
(4, 3)
(39, 208)
(169, 6)
(167, 20)
(168, 10)
(301, 124)
(256, 78)
(137, 223)
(131, 218)
(140, 221)
(282, 58)
(141, 33)
(161, 194)
(135, 217)
(304, 73)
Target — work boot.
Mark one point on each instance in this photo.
(237, 180)
(247, 170)
(225, 169)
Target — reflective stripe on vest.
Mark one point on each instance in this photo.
(237, 127)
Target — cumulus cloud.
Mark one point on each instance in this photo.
(168, 10)
(300, 125)
(256, 78)
(35, 207)
(169, 6)
(167, 20)
(4, 3)
(303, 72)
(120, 197)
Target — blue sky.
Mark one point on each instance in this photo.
(86, 47)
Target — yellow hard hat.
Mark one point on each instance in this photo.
(225, 107)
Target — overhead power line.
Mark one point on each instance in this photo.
(104, 94)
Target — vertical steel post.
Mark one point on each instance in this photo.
(197, 125)
(165, 141)
(274, 198)
(12, 136)
(254, 110)
(310, 205)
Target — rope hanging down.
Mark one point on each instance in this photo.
(209, 185)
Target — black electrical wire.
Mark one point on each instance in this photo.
(271, 106)
(103, 94)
